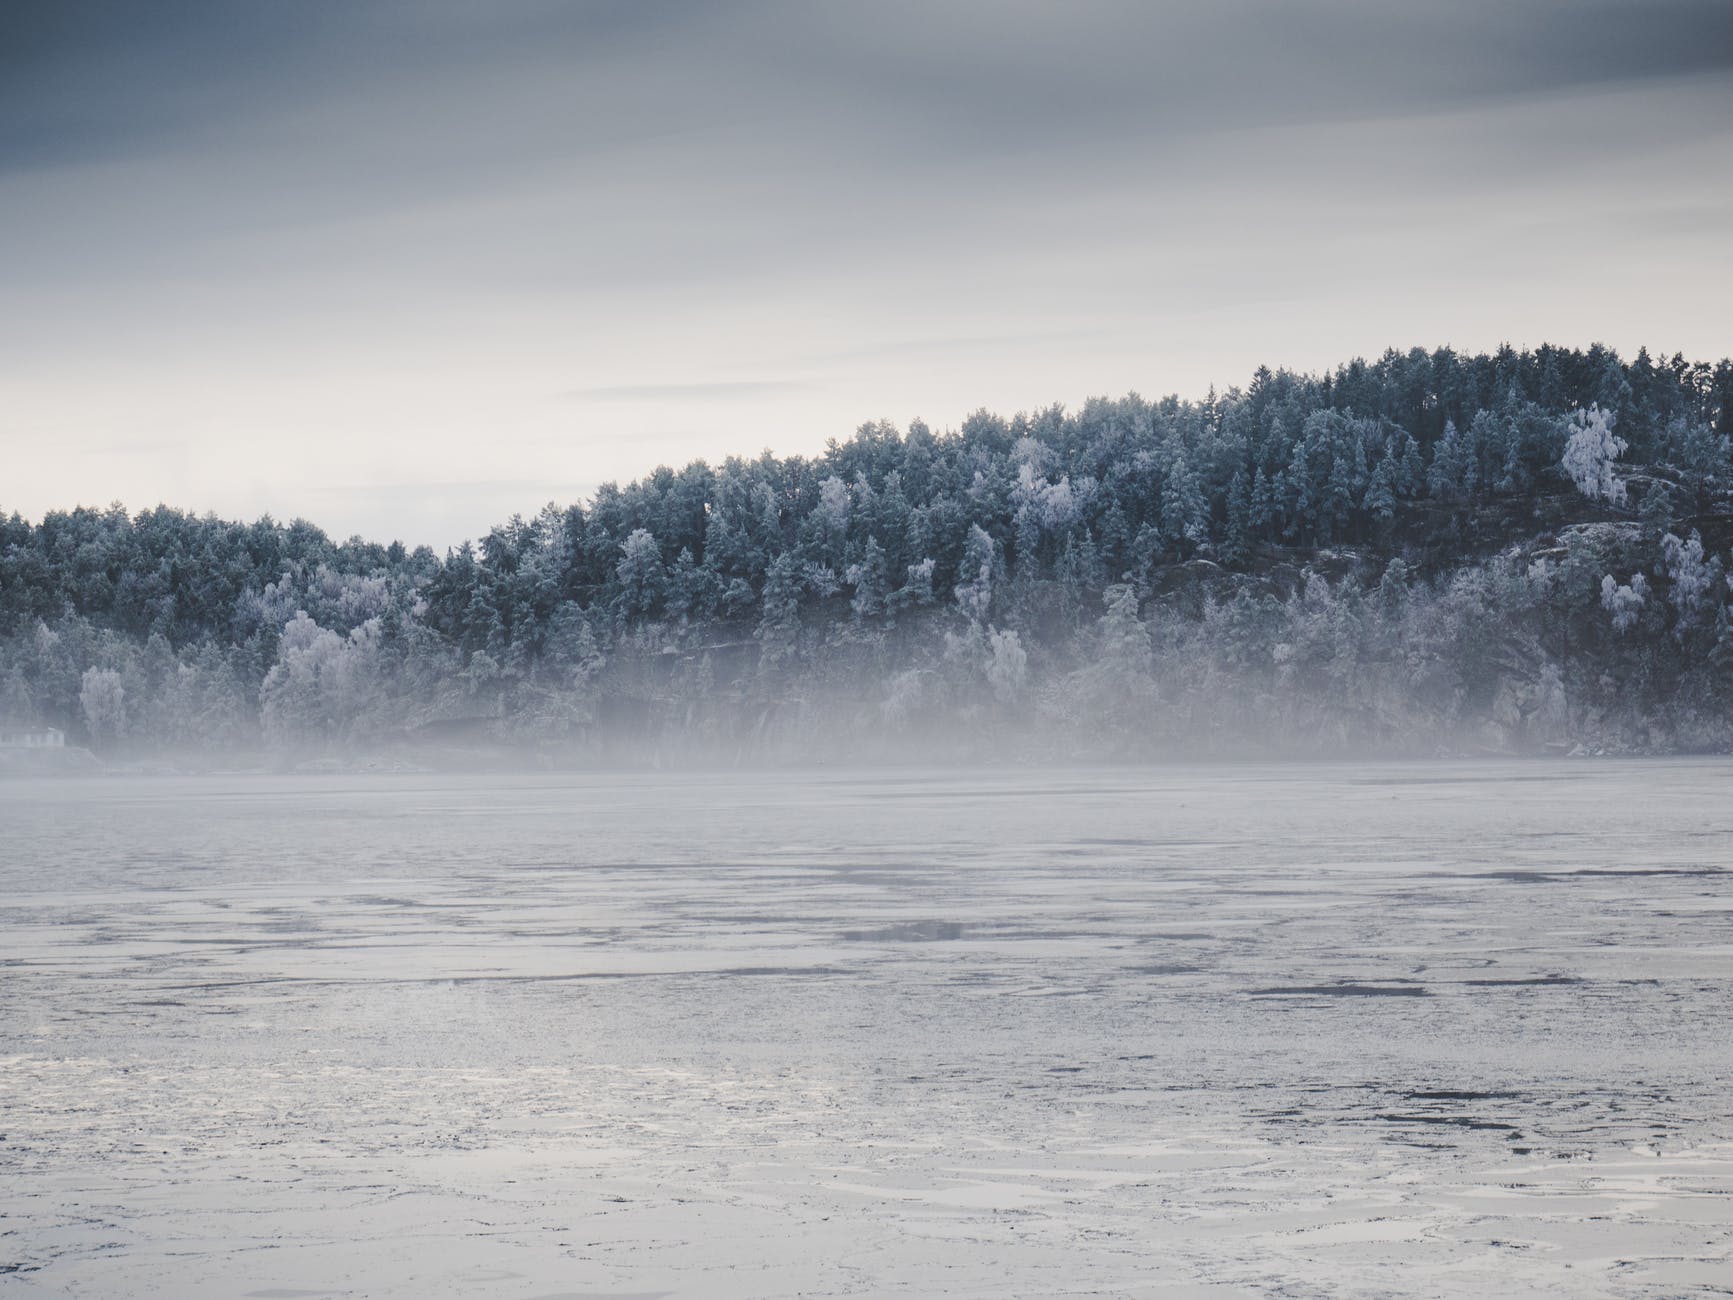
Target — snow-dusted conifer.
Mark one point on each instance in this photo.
(640, 571)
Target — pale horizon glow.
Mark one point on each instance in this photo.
(407, 270)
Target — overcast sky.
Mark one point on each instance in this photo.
(404, 267)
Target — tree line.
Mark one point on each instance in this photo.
(1512, 549)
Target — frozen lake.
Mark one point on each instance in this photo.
(1344, 1031)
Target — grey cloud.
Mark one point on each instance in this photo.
(683, 138)
(107, 78)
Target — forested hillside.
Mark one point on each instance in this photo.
(1426, 553)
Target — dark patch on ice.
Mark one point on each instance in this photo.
(1639, 873)
(1164, 968)
(237, 941)
(972, 794)
(1509, 877)
(1453, 1121)
(1343, 991)
(1518, 877)
(1456, 1094)
(774, 918)
(576, 977)
(1529, 981)
(1454, 778)
(912, 932)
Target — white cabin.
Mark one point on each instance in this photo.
(30, 736)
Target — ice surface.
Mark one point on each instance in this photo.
(1343, 1031)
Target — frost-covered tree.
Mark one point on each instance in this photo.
(640, 572)
(1589, 455)
(571, 647)
(1124, 638)
(1453, 474)
(1656, 510)
(974, 589)
(687, 587)
(778, 629)
(1236, 546)
(867, 577)
(1266, 503)
(832, 514)
(1007, 664)
(1116, 686)
(1624, 602)
(102, 700)
(1691, 577)
(1394, 589)
(917, 589)
(1380, 498)
(1049, 507)
(1184, 509)
(323, 683)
